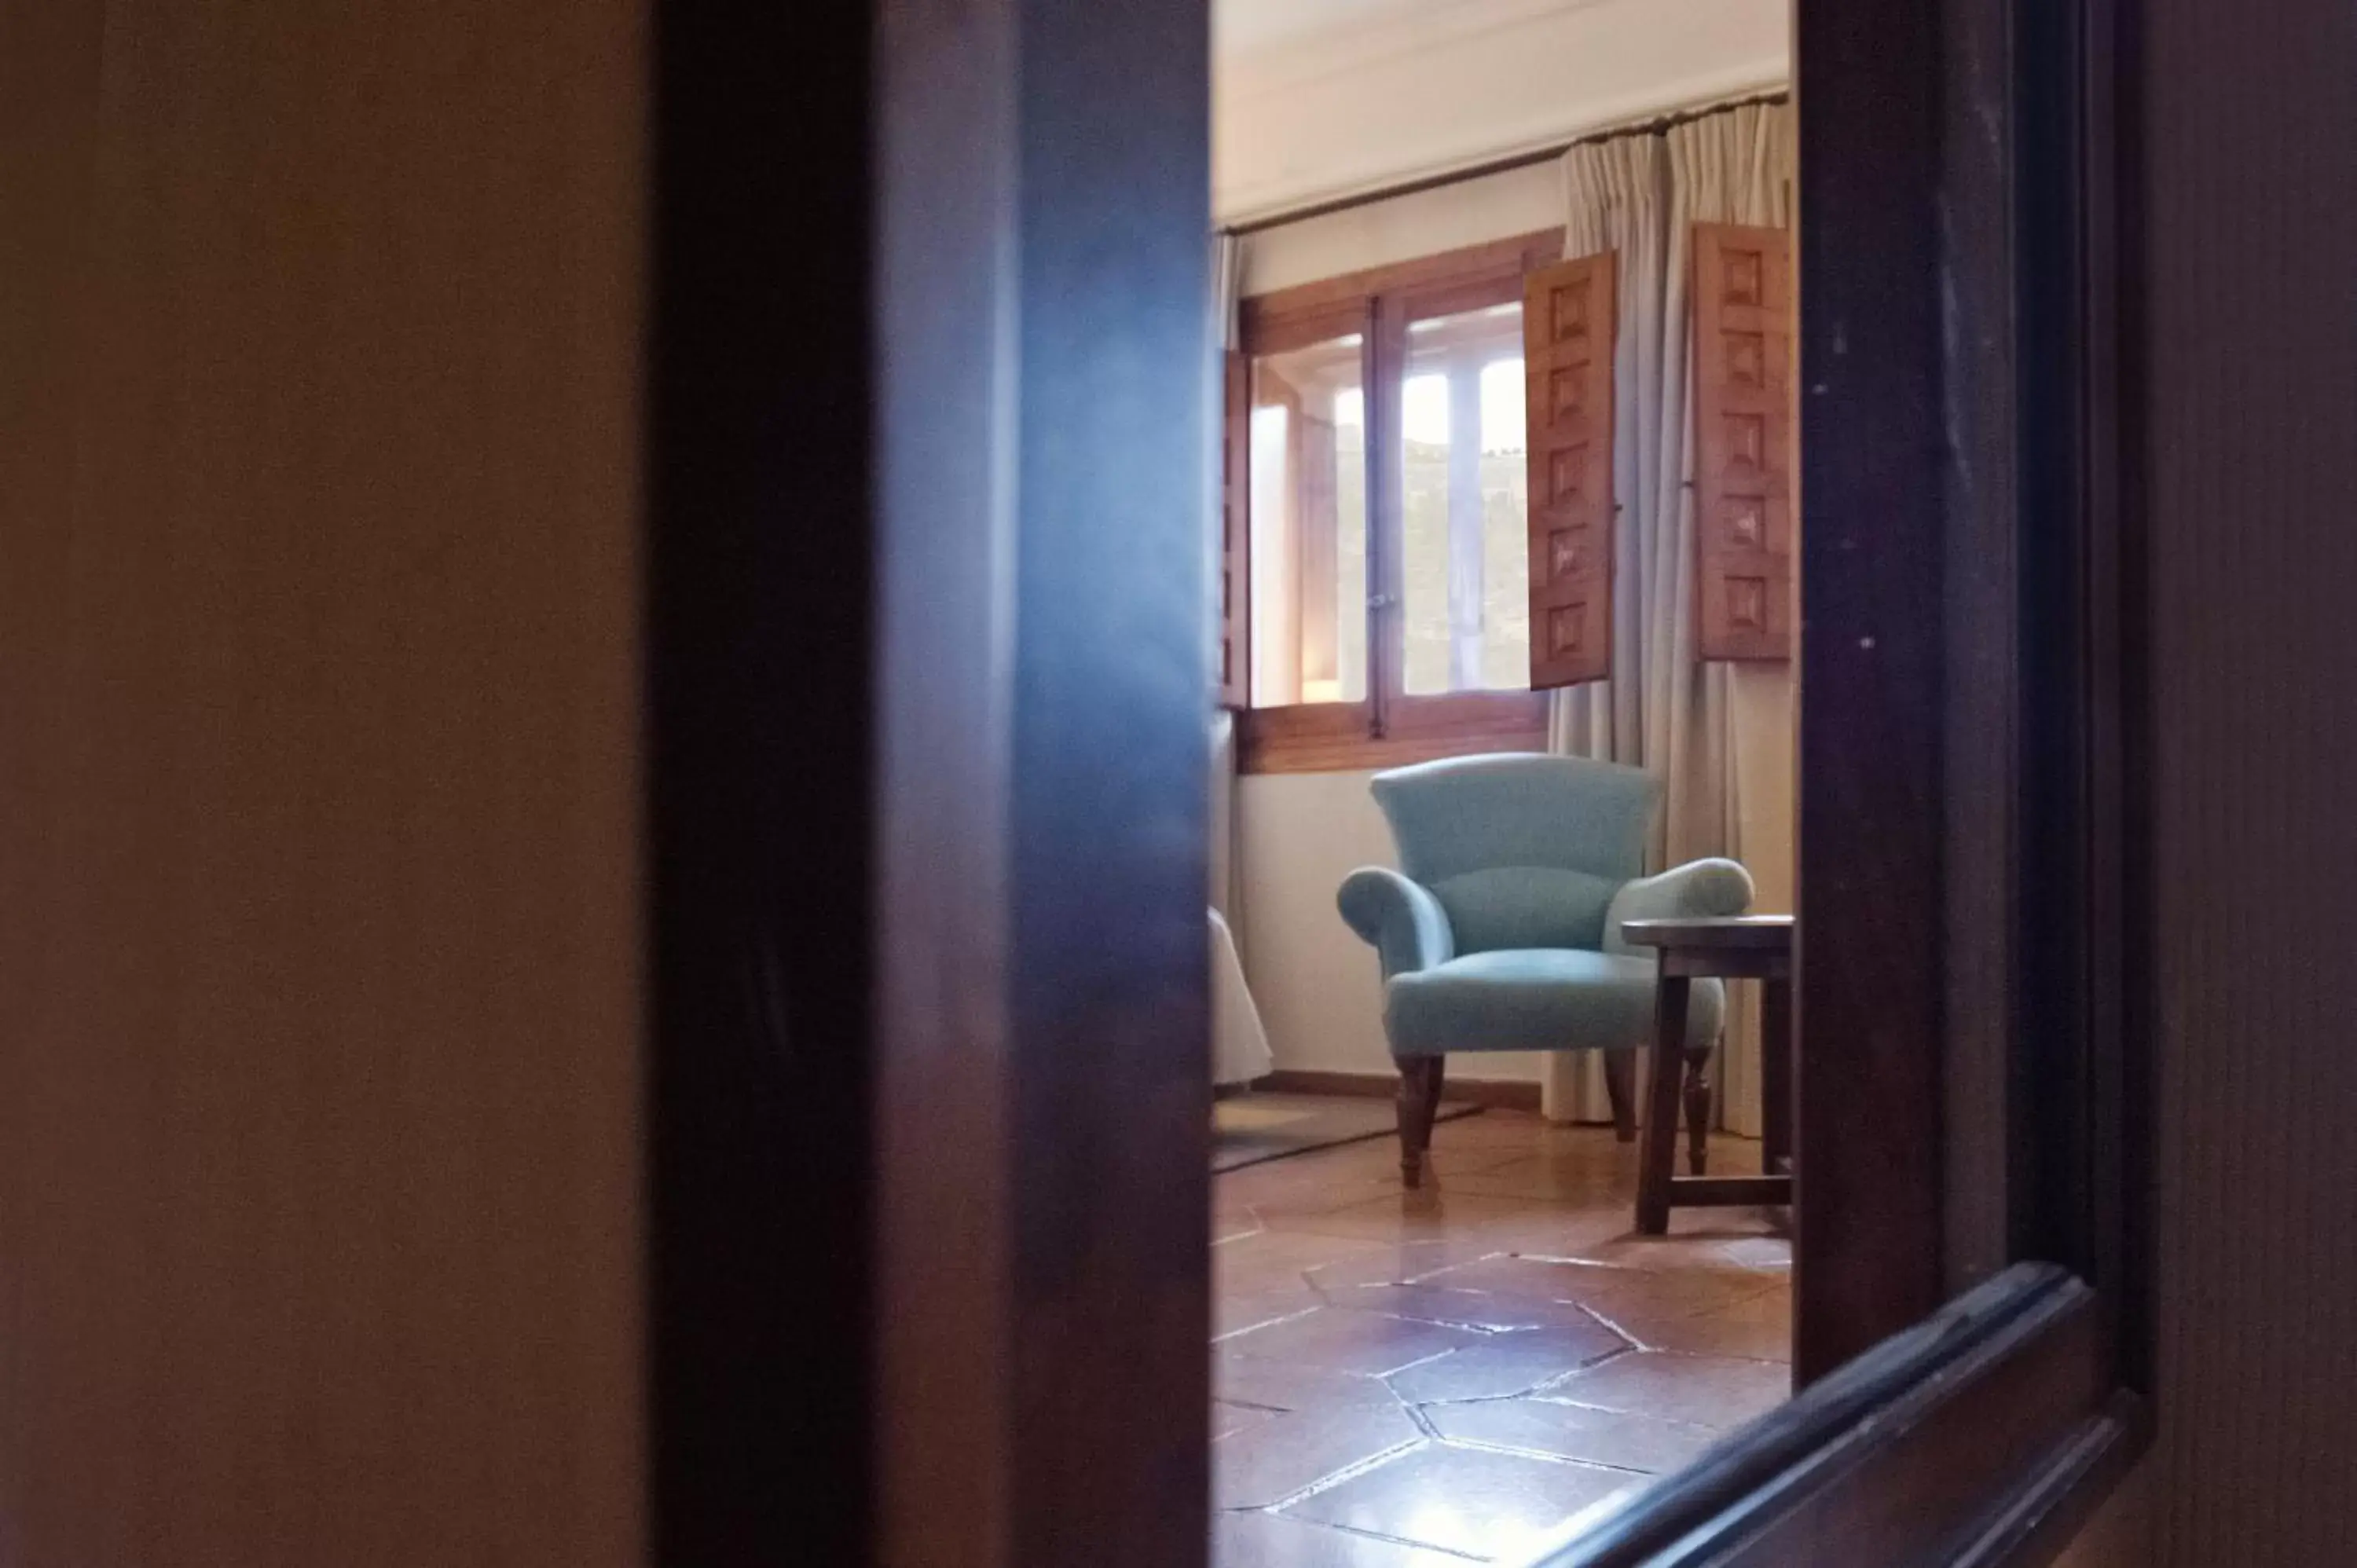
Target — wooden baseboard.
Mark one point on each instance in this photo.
(1490, 1094)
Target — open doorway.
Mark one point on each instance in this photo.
(1510, 624)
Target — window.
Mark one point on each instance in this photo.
(1383, 488)
(1309, 524)
(1464, 570)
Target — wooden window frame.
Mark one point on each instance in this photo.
(1389, 727)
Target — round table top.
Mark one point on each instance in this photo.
(1749, 932)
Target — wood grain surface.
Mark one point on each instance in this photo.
(319, 946)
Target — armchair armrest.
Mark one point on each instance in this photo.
(1699, 887)
(1404, 921)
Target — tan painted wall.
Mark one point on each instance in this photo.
(318, 953)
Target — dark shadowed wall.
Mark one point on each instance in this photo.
(319, 944)
(2249, 400)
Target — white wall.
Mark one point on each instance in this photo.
(1359, 97)
(1318, 986)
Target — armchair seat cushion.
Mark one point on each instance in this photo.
(1536, 998)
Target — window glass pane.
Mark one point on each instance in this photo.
(1465, 569)
(1308, 526)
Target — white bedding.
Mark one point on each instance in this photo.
(1239, 1044)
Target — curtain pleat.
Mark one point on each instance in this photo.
(1663, 709)
(1227, 285)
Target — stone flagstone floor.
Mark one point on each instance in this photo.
(1417, 1379)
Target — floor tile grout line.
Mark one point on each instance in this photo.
(1639, 1414)
(1360, 1534)
(1341, 1239)
(1349, 1472)
(1609, 1326)
(1645, 1414)
(1536, 1390)
(1256, 1327)
(1480, 1445)
(1634, 1343)
(1604, 1361)
(1387, 1539)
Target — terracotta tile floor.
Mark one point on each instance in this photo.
(1414, 1379)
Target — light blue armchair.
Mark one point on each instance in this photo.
(1504, 932)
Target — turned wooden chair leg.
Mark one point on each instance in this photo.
(1698, 1111)
(1621, 1088)
(1419, 1103)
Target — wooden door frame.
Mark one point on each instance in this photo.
(929, 1081)
(759, 728)
(927, 1037)
(1973, 802)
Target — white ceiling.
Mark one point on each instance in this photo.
(1319, 98)
(1252, 26)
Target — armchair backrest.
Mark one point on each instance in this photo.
(1523, 851)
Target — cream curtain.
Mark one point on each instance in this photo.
(1240, 1050)
(1227, 287)
(1227, 279)
(1719, 735)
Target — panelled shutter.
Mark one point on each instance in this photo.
(1743, 439)
(1570, 321)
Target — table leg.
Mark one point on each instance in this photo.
(1621, 1088)
(1776, 1073)
(1660, 1152)
(1698, 1111)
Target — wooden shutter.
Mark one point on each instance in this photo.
(1570, 319)
(1235, 552)
(1743, 432)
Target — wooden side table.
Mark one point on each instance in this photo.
(1758, 946)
